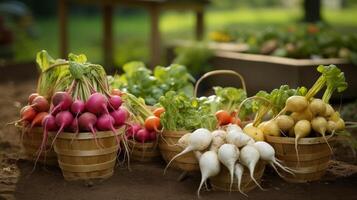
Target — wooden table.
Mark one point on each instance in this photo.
(153, 6)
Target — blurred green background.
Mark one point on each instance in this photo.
(131, 25)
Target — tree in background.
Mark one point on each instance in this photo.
(312, 10)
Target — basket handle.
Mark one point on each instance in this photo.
(216, 72)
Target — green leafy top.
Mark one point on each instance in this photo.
(139, 81)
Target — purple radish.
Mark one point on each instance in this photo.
(48, 124)
(153, 136)
(77, 107)
(74, 126)
(63, 120)
(142, 135)
(119, 117)
(97, 104)
(115, 102)
(86, 122)
(132, 130)
(105, 123)
(61, 101)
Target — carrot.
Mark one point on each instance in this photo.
(152, 123)
(37, 121)
(32, 97)
(27, 113)
(158, 111)
(223, 117)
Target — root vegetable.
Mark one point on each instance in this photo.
(319, 124)
(302, 129)
(223, 117)
(142, 135)
(228, 154)
(209, 167)
(340, 125)
(331, 126)
(238, 172)
(183, 141)
(152, 123)
(27, 114)
(32, 97)
(218, 139)
(249, 157)
(254, 132)
(267, 153)
(296, 104)
(271, 128)
(329, 110)
(37, 121)
(97, 104)
(317, 107)
(305, 114)
(119, 117)
(132, 130)
(335, 116)
(236, 136)
(77, 107)
(115, 102)
(198, 140)
(158, 111)
(40, 104)
(61, 101)
(285, 122)
(86, 122)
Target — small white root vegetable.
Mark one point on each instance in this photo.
(302, 129)
(234, 127)
(183, 141)
(319, 124)
(267, 153)
(305, 114)
(331, 126)
(340, 125)
(296, 103)
(238, 172)
(198, 140)
(254, 132)
(317, 107)
(236, 136)
(228, 154)
(249, 157)
(329, 110)
(218, 139)
(209, 167)
(285, 122)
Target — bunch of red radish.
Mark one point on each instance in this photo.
(33, 113)
(148, 132)
(225, 118)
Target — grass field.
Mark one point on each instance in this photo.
(131, 32)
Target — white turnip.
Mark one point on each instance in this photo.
(249, 157)
(209, 167)
(238, 172)
(236, 136)
(228, 154)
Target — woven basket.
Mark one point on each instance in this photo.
(143, 152)
(32, 140)
(314, 156)
(82, 159)
(169, 149)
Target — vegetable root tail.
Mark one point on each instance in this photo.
(240, 189)
(188, 149)
(297, 150)
(286, 169)
(255, 181)
(199, 188)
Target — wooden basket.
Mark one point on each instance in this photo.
(143, 152)
(82, 159)
(32, 140)
(314, 156)
(221, 182)
(169, 149)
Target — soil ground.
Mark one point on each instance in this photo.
(145, 181)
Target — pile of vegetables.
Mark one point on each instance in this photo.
(151, 85)
(306, 116)
(299, 41)
(227, 147)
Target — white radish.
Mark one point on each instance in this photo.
(236, 136)
(218, 139)
(183, 141)
(317, 107)
(296, 104)
(238, 172)
(234, 127)
(249, 157)
(302, 129)
(209, 167)
(267, 153)
(228, 154)
(198, 140)
(271, 128)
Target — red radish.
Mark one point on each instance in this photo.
(142, 135)
(158, 111)
(119, 117)
(48, 124)
(40, 104)
(37, 121)
(61, 101)
(32, 97)
(223, 117)
(27, 114)
(105, 123)
(74, 126)
(63, 120)
(77, 107)
(87, 122)
(152, 123)
(115, 102)
(97, 104)
(153, 136)
(132, 130)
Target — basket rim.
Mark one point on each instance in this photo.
(88, 135)
(291, 140)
